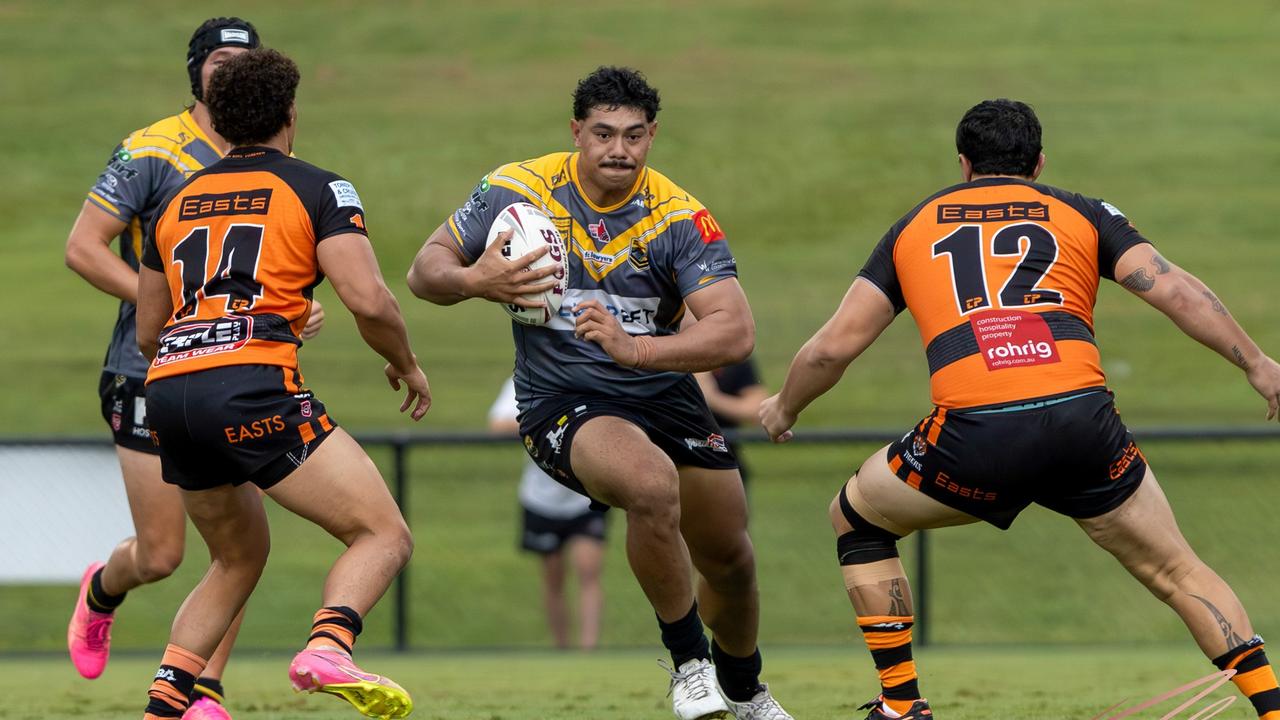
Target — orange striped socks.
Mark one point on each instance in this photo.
(1254, 677)
(889, 639)
(170, 692)
(335, 626)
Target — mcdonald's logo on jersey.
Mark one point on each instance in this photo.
(707, 226)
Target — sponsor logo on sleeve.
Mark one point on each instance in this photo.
(345, 194)
(1111, 208)
(714, 265)
(707, 226)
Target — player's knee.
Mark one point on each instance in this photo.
(401, 543)
(656, 497)
(158, 565)
(866, 542)
(733, 569)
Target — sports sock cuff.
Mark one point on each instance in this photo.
(739, 676)
(170, 692)
(98, 599)
(210, 688)
(685, 638)
(1230, 658)
(335, 626)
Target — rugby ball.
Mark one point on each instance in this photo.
(531, 229)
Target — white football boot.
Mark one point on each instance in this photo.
(760, 707)
(695, 695)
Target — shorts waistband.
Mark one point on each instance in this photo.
(1033, 405)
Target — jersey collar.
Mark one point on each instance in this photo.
(189, 121)
(573, 177)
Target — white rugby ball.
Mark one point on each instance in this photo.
(531, 229)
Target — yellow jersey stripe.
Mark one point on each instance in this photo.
(99, 200)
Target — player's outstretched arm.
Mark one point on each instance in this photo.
(89, 253)
(1200, 314)
(439, 273)
(724, 334)
(155, 305)
(863, 314)
(349, 262)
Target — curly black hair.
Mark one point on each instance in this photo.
(250, 96)
(614, 87)
(1000, 137)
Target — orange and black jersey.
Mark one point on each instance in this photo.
(237, 244)
(1001, 276)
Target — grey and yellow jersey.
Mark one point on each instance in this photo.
(639, 259)
(143, 169)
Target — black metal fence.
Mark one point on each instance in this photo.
(401, 444)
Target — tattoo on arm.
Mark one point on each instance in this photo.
(1138, 280)
(897, 600)
(1218, 307)
(1235, 350)
(1162, 265)
(1228, 633)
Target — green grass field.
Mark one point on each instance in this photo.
(814, 683)
(808, 127)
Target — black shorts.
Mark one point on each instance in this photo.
(232, 425)
(677, 421)
(545, 535)
(124, 407)
(1072, 455)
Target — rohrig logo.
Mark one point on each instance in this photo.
(1013, 338)
(1041, 350)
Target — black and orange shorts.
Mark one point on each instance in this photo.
(1071, 454)
(235, 424)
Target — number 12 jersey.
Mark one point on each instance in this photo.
(1001, 276)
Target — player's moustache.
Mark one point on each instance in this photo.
(624, 164)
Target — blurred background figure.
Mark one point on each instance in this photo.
(558, 523)
(734, 394)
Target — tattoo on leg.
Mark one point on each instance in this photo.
(1218, 307)
(1138, 280)
(897, 600)
(1228, 633)
(1239, 357)
(1162, 265)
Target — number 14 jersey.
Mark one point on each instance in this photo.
(1001, 276)
(237, 244)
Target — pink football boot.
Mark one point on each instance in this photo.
(333, 672)
(89, 633)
